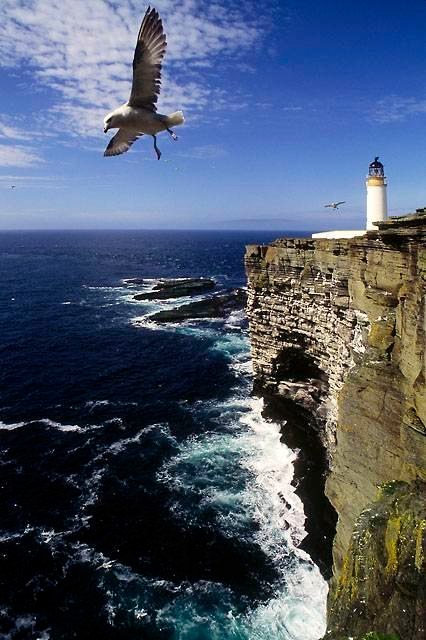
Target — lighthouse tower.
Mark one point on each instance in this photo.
(377, 206)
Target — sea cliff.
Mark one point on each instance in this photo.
(337, 331)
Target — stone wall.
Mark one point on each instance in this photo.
(338, 332)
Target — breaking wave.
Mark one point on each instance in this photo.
(145, 495)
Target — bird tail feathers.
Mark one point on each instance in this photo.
(175, 118)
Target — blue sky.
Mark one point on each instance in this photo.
(286, 103)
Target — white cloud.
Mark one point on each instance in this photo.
(25, 181)
(206, 152)
(397, 109)
(20, 178)
(9, 132)
(18, 156)
(83, 51)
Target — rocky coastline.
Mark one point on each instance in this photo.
(175, 288)
(216, 305)
(337, 330)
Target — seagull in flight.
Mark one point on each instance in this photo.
(139, 115)
(335, 205)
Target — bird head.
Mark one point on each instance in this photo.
(108, 122)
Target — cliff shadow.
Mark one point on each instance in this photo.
(294, 403)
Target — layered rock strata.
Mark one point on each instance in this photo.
(338, 333)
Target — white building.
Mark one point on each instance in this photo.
(377, 207)
(377, 204)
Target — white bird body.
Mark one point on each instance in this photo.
(138, 119)
(335, 205)
(139, 115)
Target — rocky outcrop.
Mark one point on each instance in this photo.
(173, 288)
(338, 334)
(213, 307)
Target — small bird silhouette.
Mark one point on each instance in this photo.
(13, 186)
(335, 205)
(139, 115)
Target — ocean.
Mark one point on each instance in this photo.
(143, 494)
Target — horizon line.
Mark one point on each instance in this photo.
(35, 230)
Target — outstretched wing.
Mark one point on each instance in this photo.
(121, 142)
(149, 53)
(328, 205)
(342, 202)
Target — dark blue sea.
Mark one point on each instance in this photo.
(143, 495)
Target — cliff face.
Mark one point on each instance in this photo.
(382, 583)
(338, 334)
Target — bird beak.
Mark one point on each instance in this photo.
(105, 128)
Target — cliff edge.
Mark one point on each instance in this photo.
(337, 333)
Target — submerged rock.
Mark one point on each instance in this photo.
(215, 307)
(134, 281)
(165, 289)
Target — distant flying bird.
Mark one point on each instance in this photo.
(13, 186)
(106, 565)
(139, 115)
(335, 205)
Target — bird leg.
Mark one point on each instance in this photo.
(157, 150)
(172, 133)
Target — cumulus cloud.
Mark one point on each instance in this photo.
(397, 109)
(83, 50)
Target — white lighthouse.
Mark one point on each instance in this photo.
(377, 205)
